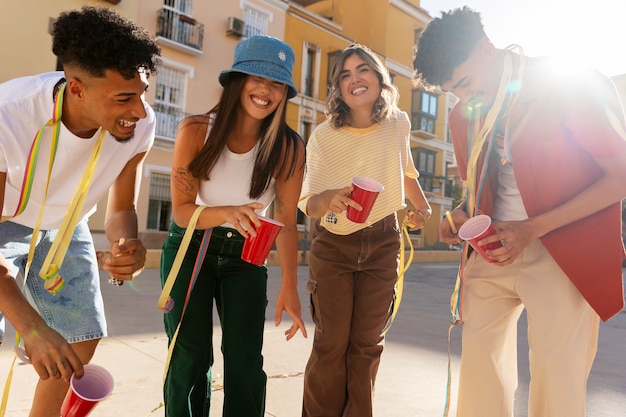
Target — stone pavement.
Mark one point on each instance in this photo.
(411, 380)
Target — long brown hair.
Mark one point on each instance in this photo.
(278, 143)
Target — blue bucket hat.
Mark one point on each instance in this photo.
(264, 56)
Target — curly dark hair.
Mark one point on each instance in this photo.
(98, 38)
(444, 44)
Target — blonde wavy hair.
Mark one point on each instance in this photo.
(336, 108)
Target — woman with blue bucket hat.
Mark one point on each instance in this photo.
(228, 166)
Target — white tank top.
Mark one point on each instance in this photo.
(230, 182)
(508, 204)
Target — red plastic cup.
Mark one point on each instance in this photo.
(365, 192)
(256, 249)
(476, 229)
(86, 392)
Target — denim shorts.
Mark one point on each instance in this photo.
(77, 310)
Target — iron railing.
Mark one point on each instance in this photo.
(181, 28)
(167, 120)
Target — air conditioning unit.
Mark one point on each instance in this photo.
(234, 26)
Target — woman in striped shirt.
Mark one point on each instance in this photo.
(354, 266)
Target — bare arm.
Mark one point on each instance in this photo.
(285, 209)
(594, 119)
(44, 346)
(416, 196)
(121, 222)
(607, 190)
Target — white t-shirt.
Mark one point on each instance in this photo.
(26, 104)
(508, 204)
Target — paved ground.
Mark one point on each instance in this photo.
(412, 376)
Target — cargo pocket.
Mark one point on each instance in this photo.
(311, 287)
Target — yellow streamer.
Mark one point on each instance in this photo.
(7, 388)
(49, 271)
(56, 254)
(164, 298)
(404, 266)
(490, 120)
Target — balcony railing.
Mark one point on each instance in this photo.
(180, 28)
(167, 120)
(423, 125)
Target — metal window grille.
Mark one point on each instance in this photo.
(175, 23)
(169, 100)
(160, 186)
(256, 22)
(170, 87)
(183, 6)
(160, 205)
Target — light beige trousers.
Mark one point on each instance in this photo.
(562, 337)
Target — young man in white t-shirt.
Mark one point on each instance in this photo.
(91, 121)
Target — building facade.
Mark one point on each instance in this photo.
(318, 30)
(197, 38)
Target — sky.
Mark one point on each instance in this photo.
(592, 32)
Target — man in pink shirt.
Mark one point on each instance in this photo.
(543, 151)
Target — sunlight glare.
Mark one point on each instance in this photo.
(590, 33)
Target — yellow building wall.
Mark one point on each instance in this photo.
(400, 37)
(365, 22)
(404, 86)
(386, 28)
(298, 32)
